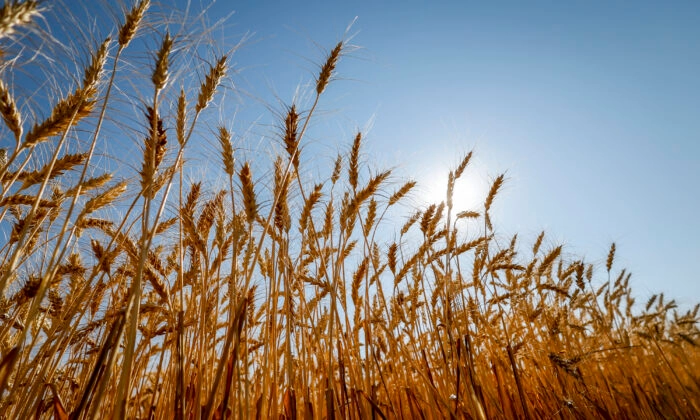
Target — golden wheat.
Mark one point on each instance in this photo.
(278, 298)
(16, 14)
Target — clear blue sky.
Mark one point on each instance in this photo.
(592, 108)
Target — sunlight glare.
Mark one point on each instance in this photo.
(469, 191)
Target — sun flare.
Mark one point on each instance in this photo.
(469, 191)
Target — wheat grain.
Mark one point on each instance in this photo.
(353, 172)
(282, 219)
(495, 187)
(401, 192)
(51, 171)
(211, 210)
(410, 222)
(65, 114)
(94, 71)
(9, 111)
(27, 200)
(370, 217)
(90, 184)
(226, 151)
(103, 199)
(249, 203)
(132, 23)
(468, 214)
(153, 152)
(309, 204)
(463, 165)
(450, 189)
(549, 259)
(357, 278)
(15, 13)
(328, 68)
(337, 167)
(391, 257)
(291, 141)
(211, 82)
(611, 257)
(160, 71)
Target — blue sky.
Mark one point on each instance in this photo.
(591, 108)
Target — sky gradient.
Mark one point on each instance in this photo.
(590, 108)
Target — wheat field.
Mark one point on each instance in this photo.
(143, 292)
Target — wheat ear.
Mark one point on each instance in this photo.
(132, 23)
(9, 111)
(14, 13)
(211, 82)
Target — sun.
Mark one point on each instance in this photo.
(469, 191)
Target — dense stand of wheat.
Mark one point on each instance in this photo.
(145, 294)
